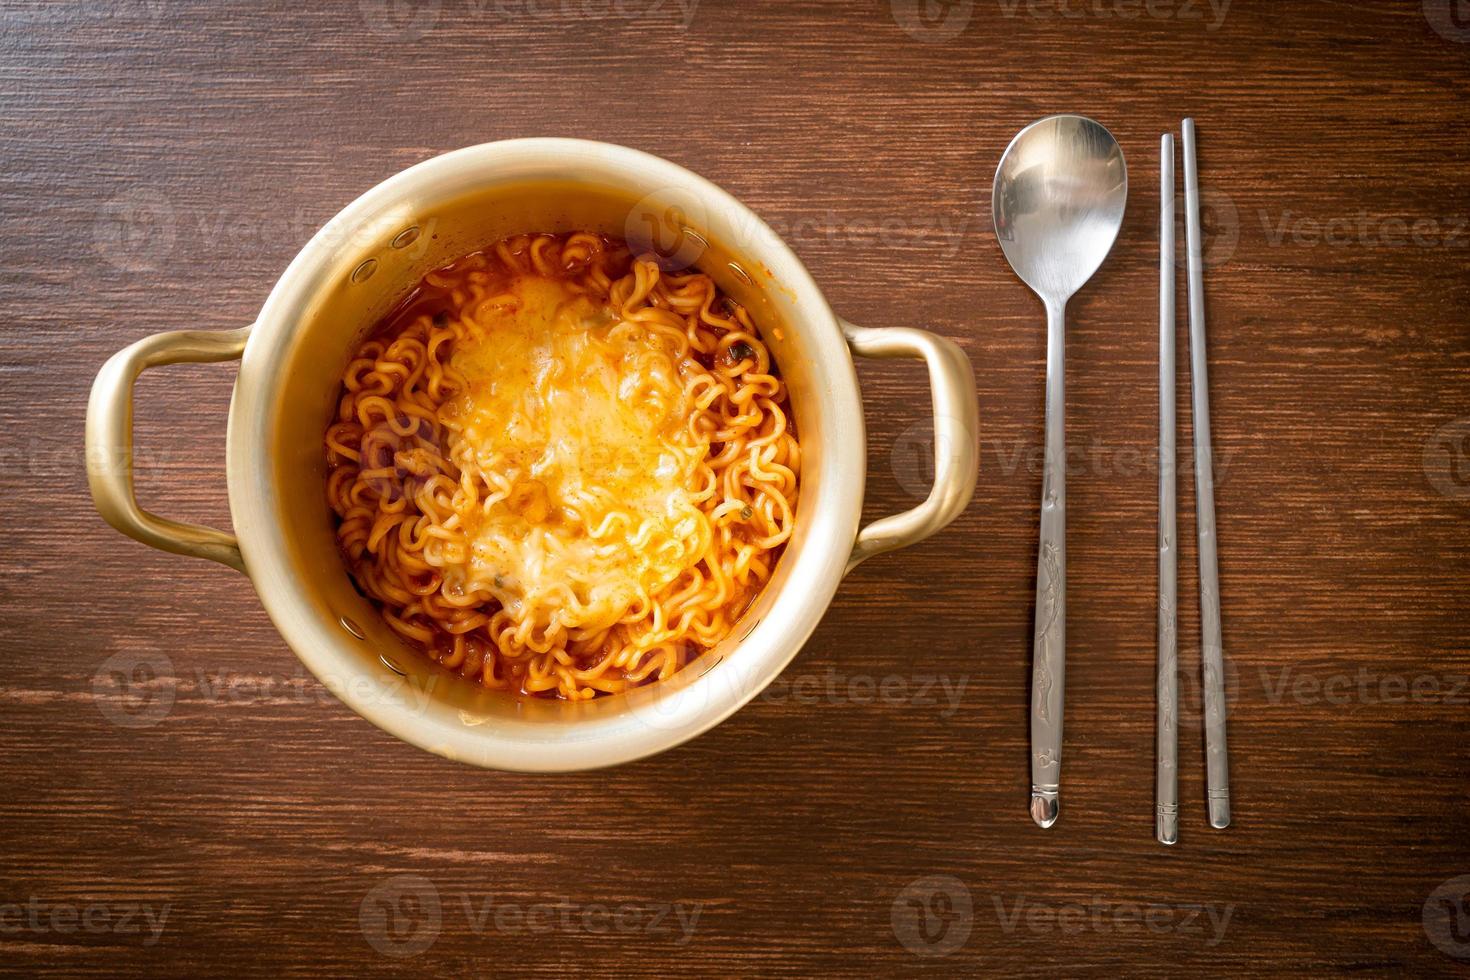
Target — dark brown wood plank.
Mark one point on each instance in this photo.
(270, 822)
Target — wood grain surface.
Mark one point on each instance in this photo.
(225, 814)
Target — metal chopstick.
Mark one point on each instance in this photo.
(1166, 778)
(1217, 764)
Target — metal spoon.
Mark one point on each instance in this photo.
(1059, 197)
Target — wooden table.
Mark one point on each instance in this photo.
(164, 161)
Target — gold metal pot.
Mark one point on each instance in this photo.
(365, 260)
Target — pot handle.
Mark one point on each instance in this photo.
(110, 441)
(956, 436)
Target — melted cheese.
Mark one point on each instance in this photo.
(580, 427)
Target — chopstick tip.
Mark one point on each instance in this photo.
(1166, 823)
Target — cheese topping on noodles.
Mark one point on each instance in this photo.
(581, 426)
(560, 470)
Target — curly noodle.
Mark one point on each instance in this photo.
(504, 568)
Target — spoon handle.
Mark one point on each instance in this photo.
(1048, 659)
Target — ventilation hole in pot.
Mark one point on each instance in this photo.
(741, 274)
(751, 630)
(365, 271)
(694, 237)
(406, 237)
(392, 666)
(711, 666)
(352, 628)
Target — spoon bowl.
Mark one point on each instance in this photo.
(1059, 198)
